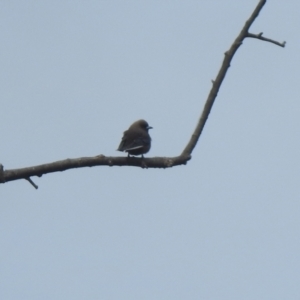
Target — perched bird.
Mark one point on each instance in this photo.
(136, 140)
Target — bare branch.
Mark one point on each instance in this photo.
(100, 160)
(155, 162)
(261, 37)
(219, 79)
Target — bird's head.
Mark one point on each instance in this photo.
(142, 124)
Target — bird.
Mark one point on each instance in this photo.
(136, 139)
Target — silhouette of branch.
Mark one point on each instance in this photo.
(216, 84)
(154, 162)
(31, 182)
(262, 38)
(100, 160)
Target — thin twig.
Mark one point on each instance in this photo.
(31, 182)
(260, 36)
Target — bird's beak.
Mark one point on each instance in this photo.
(149, 127)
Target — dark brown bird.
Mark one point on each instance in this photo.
(136, 140)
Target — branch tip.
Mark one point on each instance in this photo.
(2, 173)
(260, 36)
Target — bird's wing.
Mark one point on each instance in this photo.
(134, 148)
(137, 143)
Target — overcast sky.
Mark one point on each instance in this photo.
(74, 75)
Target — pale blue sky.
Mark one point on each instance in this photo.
(74, 75)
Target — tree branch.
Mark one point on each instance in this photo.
(31, 182)
(155, 162)
(220, 77)
(100, 160)
(262, 38)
